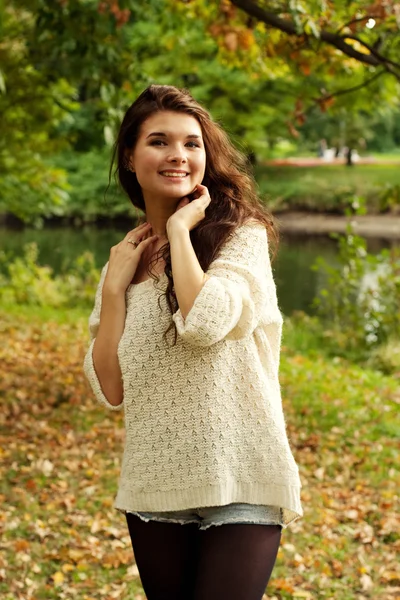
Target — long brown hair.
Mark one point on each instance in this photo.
(231, 186)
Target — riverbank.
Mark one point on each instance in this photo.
(385, 226)
(379, 226)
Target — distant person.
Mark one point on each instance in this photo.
(186, 336)
(322, 146)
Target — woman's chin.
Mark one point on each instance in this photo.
(178, 193)
(172, 191)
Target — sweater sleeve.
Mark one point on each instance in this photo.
(239, 294)
(88, 365)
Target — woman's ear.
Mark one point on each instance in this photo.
(127, 163)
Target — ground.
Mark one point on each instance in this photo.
(379, 226)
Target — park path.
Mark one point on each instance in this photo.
(314, 161)
(379, 226)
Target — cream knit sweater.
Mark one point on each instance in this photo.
(204, 421)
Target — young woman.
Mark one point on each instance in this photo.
(186, 337)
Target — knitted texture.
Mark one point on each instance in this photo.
(204, 420)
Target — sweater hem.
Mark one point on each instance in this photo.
(286, 497)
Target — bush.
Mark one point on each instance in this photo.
(24, 281)
(389, 199)
(360, 303)
(89, 194)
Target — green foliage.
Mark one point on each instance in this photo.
(80, 70)
(386, 357)
(389, 198)
(316, 70)
(23, 281)
(70, 70)
(31, 106)
(90, 195)
(319, 189)
(78, 285)
(26, 282)
(359, 128)
(360, 302)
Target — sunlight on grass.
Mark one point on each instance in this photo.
(324, 188)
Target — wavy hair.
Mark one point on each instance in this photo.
(228, 177)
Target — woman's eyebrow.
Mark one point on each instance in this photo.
(162, 134)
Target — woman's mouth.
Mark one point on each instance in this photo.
(174, 174)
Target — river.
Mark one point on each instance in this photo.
(297, 284)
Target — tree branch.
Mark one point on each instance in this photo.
(365, 83)
(338, 41)
(372, 50)
(359, 20)
(342, 92)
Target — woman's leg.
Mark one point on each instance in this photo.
(235, 561)
(166, 556)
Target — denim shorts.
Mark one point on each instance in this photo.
(205, 517)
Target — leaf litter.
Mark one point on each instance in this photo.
(60, 453)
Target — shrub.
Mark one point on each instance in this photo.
(24, 281)
(360, 303)
(389, 198)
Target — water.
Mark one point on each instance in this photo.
(296, 283)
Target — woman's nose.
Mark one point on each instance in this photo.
(178, 154)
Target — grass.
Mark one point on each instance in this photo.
(326, 188)
(61, 538)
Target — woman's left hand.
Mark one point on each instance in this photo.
(188, 213)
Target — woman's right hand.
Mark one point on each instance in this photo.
(125, 257)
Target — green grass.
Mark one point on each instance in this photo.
(61, 538)
(40, 314)
(393, 155)
(326, 188)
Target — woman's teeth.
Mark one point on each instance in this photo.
(169, 174)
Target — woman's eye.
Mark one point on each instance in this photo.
(164, 143)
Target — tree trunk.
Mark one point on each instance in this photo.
(349, 159)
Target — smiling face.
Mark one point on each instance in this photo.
(169, 158)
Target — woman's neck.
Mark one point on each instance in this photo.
(158, 213)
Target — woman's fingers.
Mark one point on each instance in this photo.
(202, 193)
(145, 243)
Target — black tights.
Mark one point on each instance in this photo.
(223, 562)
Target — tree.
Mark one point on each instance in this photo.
(55, 57)
(346, 26)
(30, 106)
(70, 68)
(326, 49)
(80, 64)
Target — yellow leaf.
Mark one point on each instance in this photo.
(67, 567)
(357, 46)
(302, 594)
(391, 577)
(58, 578)
(75, 555)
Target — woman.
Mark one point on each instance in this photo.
(186, 338)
